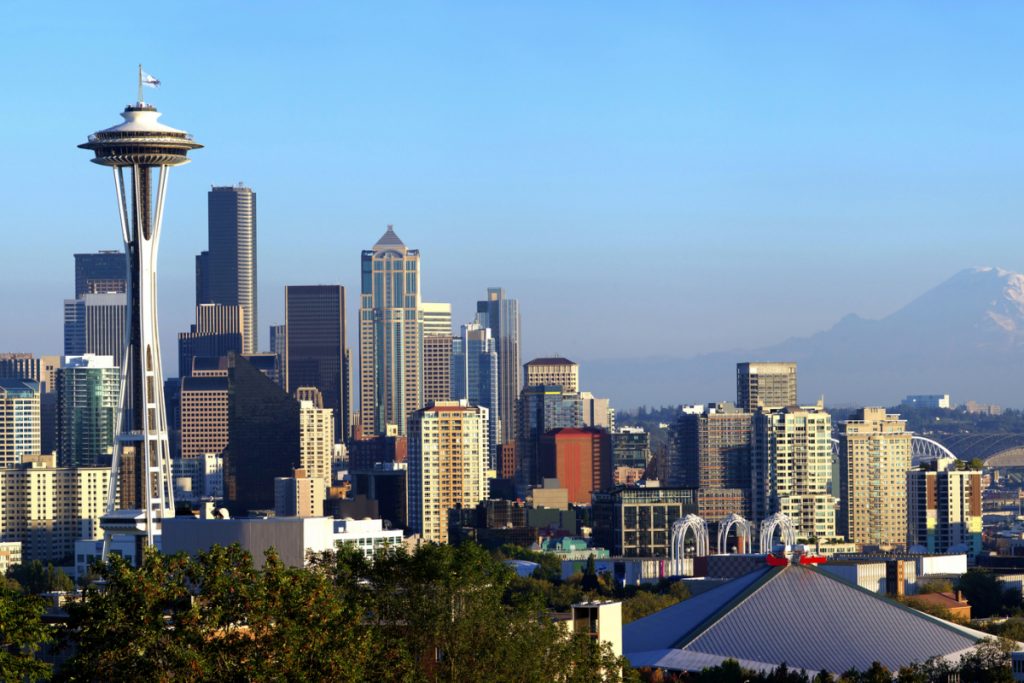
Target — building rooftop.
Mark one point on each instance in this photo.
(19, 388)
(389, 239)
(553, 360)
(792, 614)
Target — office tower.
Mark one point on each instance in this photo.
(299, 495)
(365, 454)
(791, 469)
(263, 437)
(944, 508)
(474, 377)
(147, 149)
(216, 333)
(315, 346)
(874, 458)
(541, 409)
(226, 273)
(94, 323)
(104, 271)
(501, 315)
(316, 435)
(633, 521)
(390, 336)
(552, 371)
(87, 404)
(384, 484)
(19, 420)
(447, 464)
(710, 452)
(580, 459)
(597, 412)
(437, 351)
(631, 447)
(47, 508)
(204, 413)
(278, 346)
(26, 366)
(765, 385)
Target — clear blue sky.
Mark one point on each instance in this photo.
(647, 178)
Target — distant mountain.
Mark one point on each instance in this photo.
(964, 337)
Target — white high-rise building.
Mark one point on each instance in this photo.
(316, 440)
(447, 457)
(19, 420)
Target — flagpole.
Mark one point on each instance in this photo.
(140, 85)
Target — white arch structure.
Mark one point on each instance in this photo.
(921, 449)
(743, 530)
(777, 522)
(677, 549)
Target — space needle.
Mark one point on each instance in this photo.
(141, 492)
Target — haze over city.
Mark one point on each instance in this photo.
(642, 181)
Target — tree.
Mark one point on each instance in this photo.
(590, 583)
(22, 633)
(985, 593)
(935, 586)
(37, 578)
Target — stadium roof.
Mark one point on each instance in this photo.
(794, 614)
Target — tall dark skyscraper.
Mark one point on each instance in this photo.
(315, 347)
(100, 273)
(502, 316)
(226, 272)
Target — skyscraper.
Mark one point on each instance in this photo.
(437, 351)
(944, 508)
(390, 336)
(474, 377)
(581, 460)
(316, 439)
(204, 413)
(147, 149)
(94, 323)
(315, 346)
(87, 403)
(218, 331)
(792, 469)
(874, 458)
(19, 420)
(101, 272)
(765, 385)
(711, 453)
(278, 345)
(541, 409)
(447, 464)
(501, 315)
(226, 273)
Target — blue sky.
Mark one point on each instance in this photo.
(647, 178)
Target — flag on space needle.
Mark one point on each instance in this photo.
(150, 81)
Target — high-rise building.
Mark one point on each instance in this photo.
(19, 421)
(791, 469)
(390, 336)
(217, 332)
(633, 521)
(94, 323)
(104, 271)
(42, 369)
(279, 346)
(447, 464)
(437, 351)
(501, 315)
(944, 508)
(597, 412)
(711, 452)
(557, 371)
(204, 414)
(226, 273)
(765, 385)
(631, 447)
(874, 458)
(316, 437)
(580, 459)
(299, 495)
(541, 409)
(147, 149)
(47, 508)
(315, 347)
(87, 404)
(474, 377)
(263, 437)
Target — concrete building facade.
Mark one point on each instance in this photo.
(944, 508)
(552, 371)
(765, 385)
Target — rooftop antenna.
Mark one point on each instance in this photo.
(141, 101)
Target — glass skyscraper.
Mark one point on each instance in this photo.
(390, 336)
(474, 377)
(226, 272)
(501, 315)
(87, 404)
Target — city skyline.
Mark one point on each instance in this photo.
(676, 144)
